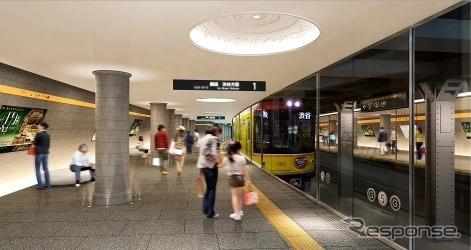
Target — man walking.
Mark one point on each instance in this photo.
(161, 146)
(382, 139)
(42, 141)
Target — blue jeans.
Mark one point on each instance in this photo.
(77, 169)
(38, 159)
(211, 177)
(188, 148)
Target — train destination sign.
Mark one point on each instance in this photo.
(387, 102)
(219, 85)
(210, 117)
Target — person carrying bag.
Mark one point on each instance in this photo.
(238, 177)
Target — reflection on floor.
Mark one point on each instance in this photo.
(164, 214)
(462, 163)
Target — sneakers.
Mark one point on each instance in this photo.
(77, 185)
(164, 172)
(214, 216)
(236, 216)
(241, 213)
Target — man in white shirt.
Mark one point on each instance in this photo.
(82, 162)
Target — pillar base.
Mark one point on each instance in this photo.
(116, 199)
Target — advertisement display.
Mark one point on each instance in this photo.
(467, 129)
(135, 127)
(18, 126)
(367, 130)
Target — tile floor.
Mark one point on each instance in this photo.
(164, 214)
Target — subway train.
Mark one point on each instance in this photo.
(288, 143)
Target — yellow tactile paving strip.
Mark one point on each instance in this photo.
(294, 235)
(286, 227)
(51, 98)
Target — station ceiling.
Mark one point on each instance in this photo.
(67, 40)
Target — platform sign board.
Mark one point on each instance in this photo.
(368, 130)
(210, 117)
(219, 85)
(467, 129)
(386, 102)
(18, 126)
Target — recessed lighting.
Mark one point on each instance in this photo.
(297, 104)
(289, 103)
(256, 16)
(215, 100)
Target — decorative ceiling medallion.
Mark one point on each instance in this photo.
(253, 34)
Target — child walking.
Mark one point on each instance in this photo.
(238, 176)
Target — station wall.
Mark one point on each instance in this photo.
(70, 125)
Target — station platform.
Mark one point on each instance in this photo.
(165, 213)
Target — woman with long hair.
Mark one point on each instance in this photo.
(238, 176)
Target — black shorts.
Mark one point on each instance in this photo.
(236, 181)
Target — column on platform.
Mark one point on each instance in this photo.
(112, 137)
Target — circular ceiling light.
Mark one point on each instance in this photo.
(215, 100)
(252, 34)
(289, 103)
(297, 104)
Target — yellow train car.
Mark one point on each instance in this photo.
(279, 140)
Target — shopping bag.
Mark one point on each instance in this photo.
(250, 197)
(171, 150)
(177, 151)
(156, 162)
(199, 187)
(32, 150)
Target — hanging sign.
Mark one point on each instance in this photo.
(387, 102)
(219, 85)
(210, 118)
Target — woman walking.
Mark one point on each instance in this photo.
(180, 150)
(238, 177)
(208, 162)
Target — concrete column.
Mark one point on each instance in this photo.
(158, 115)
(186, 123)
(178, 120)
(112, 137)
(192, 125)
(385, 121)
(171, 126)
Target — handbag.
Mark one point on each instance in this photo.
(32, 150)
(422, 150)
(156, 162)
(171, 150)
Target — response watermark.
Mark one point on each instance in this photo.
(394, 232)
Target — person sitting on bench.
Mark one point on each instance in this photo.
(81, 162)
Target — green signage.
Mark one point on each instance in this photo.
(467, 129)
(367, 130)
(18, 126)
(135, 127)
